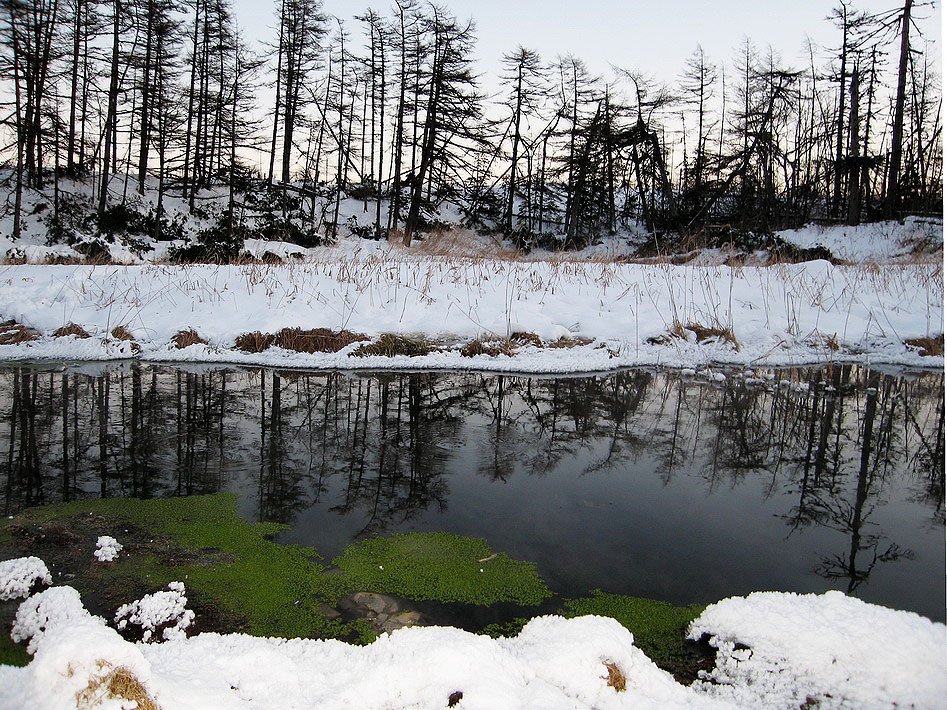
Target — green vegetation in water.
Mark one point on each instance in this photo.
(506, 629)
(441, 567)
(275, 588)
(658, 627)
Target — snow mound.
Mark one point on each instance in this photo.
(18, 576)
(107, 549)
(789, 650)
(163, 610)
(57, 606)
(73, 652)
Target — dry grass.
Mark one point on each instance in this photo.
(184, 338)
(702, 332)
(455, 243)
(527, 339)
(391, 345)
(565, 342)
(120, 332)
(115, 684)
(930, 346)
(12, 333)
(255, 342)
(71, 329)
(615, 678)
(317, 340)
(493, 348)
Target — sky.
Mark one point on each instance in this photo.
(655, 37)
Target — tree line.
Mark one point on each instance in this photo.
(386, 109)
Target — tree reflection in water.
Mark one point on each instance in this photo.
(837, 442)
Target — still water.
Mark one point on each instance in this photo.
(639, 482)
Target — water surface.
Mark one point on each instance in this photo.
(639, 482)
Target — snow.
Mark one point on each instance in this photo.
(883, 242)
(18, 576)
(837, 650)
(107, 549)
(164, 609)
(70, 648)
(456, 285)
(779, 315)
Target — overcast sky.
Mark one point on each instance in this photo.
(654, 36)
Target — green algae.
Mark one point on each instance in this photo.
(441, 567)
(659, 628)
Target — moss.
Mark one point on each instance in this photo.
(505, 629)
(442, 567)
(659, 628)
(276, 588)
(12, 654)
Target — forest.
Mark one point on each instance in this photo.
(167, 97)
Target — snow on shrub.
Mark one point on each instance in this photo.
(107, 548)
(164, 611)
(782, 649)
(18, 576)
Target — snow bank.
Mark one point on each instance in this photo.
(794, 650)
(18, 576)
(883, 242)
(776, 651)
(791, 314)
(73, 651)
(107, 548)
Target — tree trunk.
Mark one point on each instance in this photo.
(893, 201)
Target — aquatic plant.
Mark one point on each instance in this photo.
(443, 567)
(659, 628)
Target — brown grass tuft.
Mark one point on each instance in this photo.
(615, 679)
(71, 329)
(318, 340)
(255, 342)
(679, 330)
(455, 698)
(527, 339)
(930, 346)
(491, 348)
(118, 684)
(120, 332)
(184, 338)
(704, 333)
(12, 333)
(565, 342)
(390, 345)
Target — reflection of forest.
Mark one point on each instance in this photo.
(835, 438)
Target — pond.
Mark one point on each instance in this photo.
(644, 482)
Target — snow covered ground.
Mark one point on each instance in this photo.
(454, 286)
(776, 651)
(778, 315)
